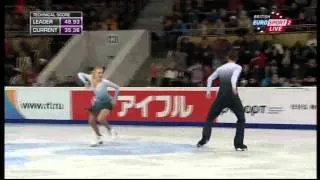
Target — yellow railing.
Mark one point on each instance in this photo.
(286, 38)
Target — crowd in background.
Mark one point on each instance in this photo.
(97, 14)
(264, 64)
(26, 56)
(268, 64)
(216, 17)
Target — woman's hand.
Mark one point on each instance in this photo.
(114, 101)
(87, 85)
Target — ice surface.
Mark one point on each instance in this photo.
(62, 151)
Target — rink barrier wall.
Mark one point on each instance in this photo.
(144, 123)
(272, 108)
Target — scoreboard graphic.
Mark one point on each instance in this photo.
(56, 22)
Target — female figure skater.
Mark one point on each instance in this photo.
(102, 103)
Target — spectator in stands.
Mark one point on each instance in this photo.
(253, 83)
(243, 83)
(176, 16)
(256, 73)
(207, 71)
(41, 64)
(260, 60)
(233, 5)
(286, 60)
(293, 11)
(186, 82)
(280, 3)
(221, 48)
(176, 6)
(167, 36)
(311, 73)
(180, 27)
(154, 74)
(53, 80)
(245, 56)
(275, 82)
(284, 82)
(244, 22)
(204, 29)
(213, 16)
(301, 17)
(219, 27)
(295, 82)
(17, 79)
(181, 74)
(223, 14)
(312, 40)
(253, 43)
(8, 21)
(285, 67)
(196, 73)
(233, 22)
(274, 67)
(311, 17)
(297, 53)
(18, 22)
(195, 5)
(187, 6)
(205, 54)
(30, 76)
(110, 24)
(170, 74)
(188, 47)
(276, 54)
(309, 51)
(297, 73)
(180, 58)
(266, 81)
(23, 61)
(245, 75)
(269, 70)
(70, 81)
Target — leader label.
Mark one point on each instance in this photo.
(46, 21)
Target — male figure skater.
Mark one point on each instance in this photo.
(227, 98)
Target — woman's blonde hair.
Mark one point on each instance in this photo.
(93, 75)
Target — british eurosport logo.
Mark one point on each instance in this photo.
(274, 22)
(258, 109)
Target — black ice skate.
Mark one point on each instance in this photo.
(202, 142)
(241, 147)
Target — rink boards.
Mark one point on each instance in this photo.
(284, 108)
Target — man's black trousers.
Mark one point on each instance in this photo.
(232, 102)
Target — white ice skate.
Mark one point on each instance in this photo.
(113, 134)
(98, 141)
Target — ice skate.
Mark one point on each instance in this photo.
(98, 141)
(202, 142)
(113, 134)
(241, 147)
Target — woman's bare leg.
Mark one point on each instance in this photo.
(93, 124)
(102, 118)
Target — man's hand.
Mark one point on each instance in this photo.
(234, 91)
(208, 95)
